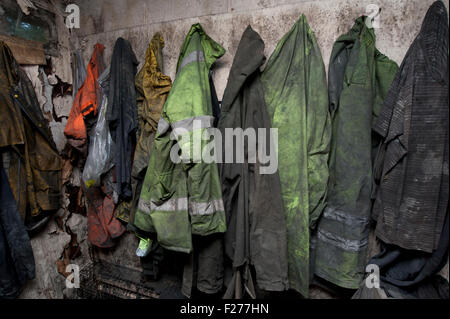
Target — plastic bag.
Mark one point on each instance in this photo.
(101, 148)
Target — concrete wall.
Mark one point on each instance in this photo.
(224, 20)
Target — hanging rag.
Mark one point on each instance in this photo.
(78, 71)
(121, 114)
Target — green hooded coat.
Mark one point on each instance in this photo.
(295, 88)
(184, 198)
(358, 80)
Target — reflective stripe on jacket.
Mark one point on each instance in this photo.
(358, 80)
(152, 89)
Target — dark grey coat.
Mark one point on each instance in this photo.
(122, 112)
(256, 226)
(412, 165)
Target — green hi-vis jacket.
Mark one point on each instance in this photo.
(184, 198)
(295, 88)
(359, 78)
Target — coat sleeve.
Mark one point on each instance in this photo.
(319, 133)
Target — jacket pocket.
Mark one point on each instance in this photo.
(395, 151)
(46, 166)
(161, 189)
(360, 72)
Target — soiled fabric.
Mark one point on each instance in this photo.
(435, 288)
(411, 274)
(78, 72)
(121, 114)
(86, 103)
(182, 197)
(165, 195)
(256, 226)
(103, 227)
(412, 165)
(295, 91)
(11, 124)
(358, 80)
(152, 89)
(409, 269)
(16, 255)
(35, 166)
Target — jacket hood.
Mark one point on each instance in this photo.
(151, 73)
(248, 59)
(433, 39)
(154, 52)
(211, 49)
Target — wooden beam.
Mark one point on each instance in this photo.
(25, 51)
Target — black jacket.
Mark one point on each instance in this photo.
(122, 112)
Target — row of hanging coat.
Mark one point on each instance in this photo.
(341, 148)
(388, 163)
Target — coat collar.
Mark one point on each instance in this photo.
(248, 59)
